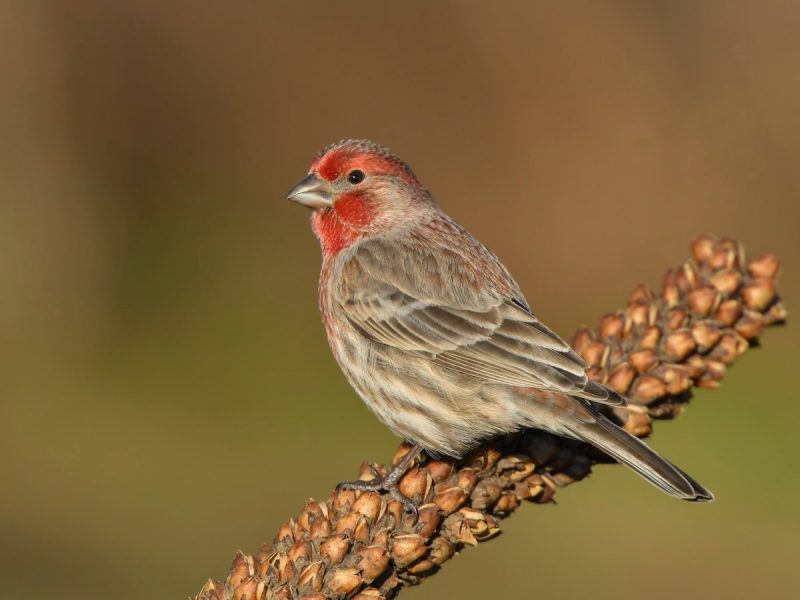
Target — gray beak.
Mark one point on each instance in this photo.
(311, 191)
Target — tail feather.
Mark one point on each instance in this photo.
(631, 451)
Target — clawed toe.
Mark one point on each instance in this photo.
(387, 483)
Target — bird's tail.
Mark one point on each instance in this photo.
(629, 450)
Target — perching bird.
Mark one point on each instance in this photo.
(432, 331)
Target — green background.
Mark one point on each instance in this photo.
(166, 391)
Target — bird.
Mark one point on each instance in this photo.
(434, 334)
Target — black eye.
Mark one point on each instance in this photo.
(355, 177)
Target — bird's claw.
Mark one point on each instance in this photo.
(388, 483)
(382, 484)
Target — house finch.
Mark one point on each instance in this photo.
(432, 331)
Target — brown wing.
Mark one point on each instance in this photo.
(396, 294)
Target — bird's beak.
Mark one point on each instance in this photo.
(312, 191)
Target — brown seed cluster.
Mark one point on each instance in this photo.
(363, 545)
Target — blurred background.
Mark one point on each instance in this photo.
(166, 391)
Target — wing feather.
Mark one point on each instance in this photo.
(484, 330)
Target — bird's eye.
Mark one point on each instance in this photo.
(355, 177)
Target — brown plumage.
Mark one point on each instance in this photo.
(432, 331)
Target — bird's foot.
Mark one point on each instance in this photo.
(388, 483)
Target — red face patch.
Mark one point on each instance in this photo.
(342, 225)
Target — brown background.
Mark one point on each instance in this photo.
(166, 391)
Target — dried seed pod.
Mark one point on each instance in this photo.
(422, 566)
(765, 267)
(369, 505)
(485, 494)
(300, 551)
(671, 295)
(678, 345)
(342, 501)
(467, 479)
(643, 360)
(530, 487)
(515, 467)
(675, 319)
(430, 517)
(621, 378)
(279, 564)
(415, 484)
(241, 568)
(595, 353)
(311, 577)
(286, 532)
(651, 337)
(703, 301)
(706, 335)
(483, 526)
(721, 257)
(343, 580)
(612, 325)
(726, 281)
(729, 348)
(750, 325)
(507, 503)
(450, 499)
(441, 550)
(457, 530)
(372, 562)
(702, 248)
(728, 312)
(649, 388)
(347, 523)
(311, 513)
(642, 313)
(696, 366)
(321, 528)
(408, 548)
(335, 548)
(641, 293)
(758, 294)
(440, 470)
(675, 377)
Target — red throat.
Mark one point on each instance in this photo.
(341, 226)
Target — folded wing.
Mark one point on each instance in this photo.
(396, 295)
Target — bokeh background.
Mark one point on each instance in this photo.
(166, 390)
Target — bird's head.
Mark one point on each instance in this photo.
(358, 189)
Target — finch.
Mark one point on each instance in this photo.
(434, 334)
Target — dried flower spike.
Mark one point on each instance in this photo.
(362, 545)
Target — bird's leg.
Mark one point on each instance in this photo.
(388, 483)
